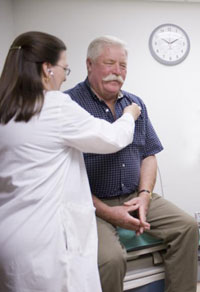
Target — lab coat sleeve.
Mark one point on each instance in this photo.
(81, 130)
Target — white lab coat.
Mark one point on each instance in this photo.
(48, 237)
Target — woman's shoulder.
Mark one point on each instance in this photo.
(57, 94)
(57, 97)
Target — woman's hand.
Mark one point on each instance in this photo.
(134, 110)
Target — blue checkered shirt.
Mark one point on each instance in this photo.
(112, 175)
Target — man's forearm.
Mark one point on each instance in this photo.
(148, 173)
(102, 210)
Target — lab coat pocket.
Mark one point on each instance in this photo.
(80, 226)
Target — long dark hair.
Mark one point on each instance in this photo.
(21, 88)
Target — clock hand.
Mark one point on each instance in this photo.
(165, 41)
(174, 41)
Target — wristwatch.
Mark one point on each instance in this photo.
(146, 191)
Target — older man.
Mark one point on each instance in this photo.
(127, 178)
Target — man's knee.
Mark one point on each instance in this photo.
(189, 228)
(190, 223)
(192, 226)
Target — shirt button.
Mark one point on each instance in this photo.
(122, 185)
(107, 110)
(123, 164)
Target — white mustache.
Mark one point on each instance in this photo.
(113, 77)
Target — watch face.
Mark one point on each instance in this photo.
(169, 44)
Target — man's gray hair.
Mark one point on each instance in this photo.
(96, 46)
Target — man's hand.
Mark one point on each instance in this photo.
(143, 203)
(120, 216)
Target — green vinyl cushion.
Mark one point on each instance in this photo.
(133, 242)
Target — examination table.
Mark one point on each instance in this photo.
(145, 269)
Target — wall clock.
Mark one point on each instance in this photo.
(169, 44)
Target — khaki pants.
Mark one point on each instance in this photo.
(177, 229)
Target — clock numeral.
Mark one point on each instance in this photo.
(157, 51)
(177, 56)
(163, 56)
(155, 43)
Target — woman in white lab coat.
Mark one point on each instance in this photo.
(48, 239)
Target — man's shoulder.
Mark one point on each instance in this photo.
(79, 88)
(79, 92)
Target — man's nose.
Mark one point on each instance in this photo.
(116, 69)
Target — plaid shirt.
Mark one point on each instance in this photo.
(116, 174)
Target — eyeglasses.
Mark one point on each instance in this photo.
(67, 70)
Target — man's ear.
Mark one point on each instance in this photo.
(89, 64)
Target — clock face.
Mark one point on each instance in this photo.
(169, 44)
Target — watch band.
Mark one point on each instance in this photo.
(146, 191)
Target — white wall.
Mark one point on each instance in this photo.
(171, 93)
(6, 28)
